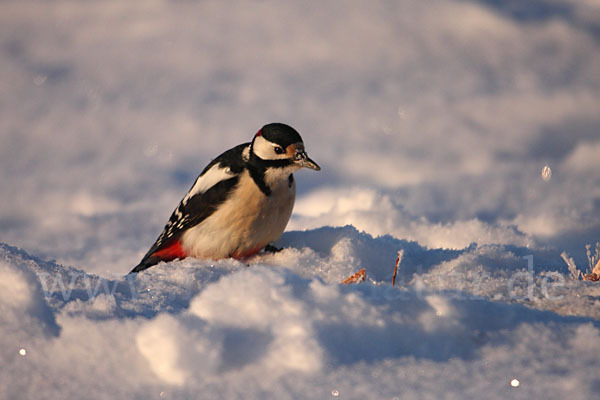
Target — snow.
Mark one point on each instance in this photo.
(466, 324)
(462, 133)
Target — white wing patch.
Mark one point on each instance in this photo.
(204, 182)
(246, 153)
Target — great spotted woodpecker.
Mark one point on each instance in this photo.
(239, 204)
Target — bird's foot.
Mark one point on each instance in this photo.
(271, 249)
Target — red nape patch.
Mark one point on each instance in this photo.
(171, 251)
(259, 133)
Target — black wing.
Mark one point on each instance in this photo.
(211, 188)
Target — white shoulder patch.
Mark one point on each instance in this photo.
(246, 153)
(204, 182)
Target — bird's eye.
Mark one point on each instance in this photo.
(279, 150)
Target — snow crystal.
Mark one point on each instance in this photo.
(546, 173)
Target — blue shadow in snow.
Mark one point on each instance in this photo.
(539, 11)
(477, 324)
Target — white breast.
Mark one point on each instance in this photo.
(245, 223)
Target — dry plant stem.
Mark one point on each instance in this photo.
(591, 277)
(398, 258)
(593, 256)
(594, 274)
(596, 269)
(358, 277)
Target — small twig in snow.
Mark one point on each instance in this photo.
(358, 277)
(575, 273)
(593, 271)
(398, 260)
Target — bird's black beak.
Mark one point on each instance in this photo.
(303, 161)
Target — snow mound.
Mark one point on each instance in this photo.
(23, 307)
(283, 326)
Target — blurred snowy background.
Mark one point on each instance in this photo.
(438, 124)
(432, 120)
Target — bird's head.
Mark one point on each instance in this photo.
(280, 145)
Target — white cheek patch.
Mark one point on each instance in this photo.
(266, 150)
(204, 182)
